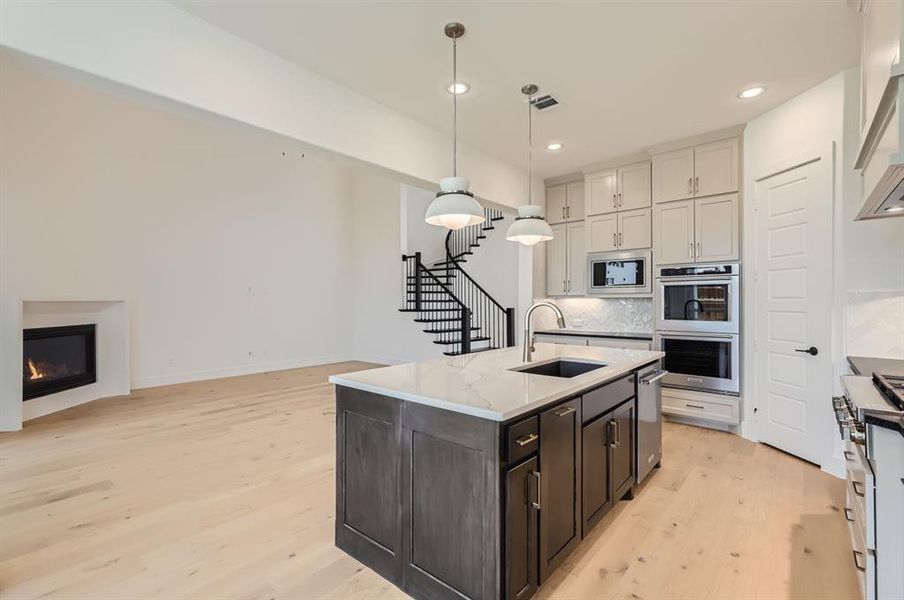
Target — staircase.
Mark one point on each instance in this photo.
(453, 307)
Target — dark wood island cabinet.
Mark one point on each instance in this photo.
(451, 505)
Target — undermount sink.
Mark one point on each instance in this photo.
(560, 368)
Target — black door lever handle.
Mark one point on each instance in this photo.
(812, 350)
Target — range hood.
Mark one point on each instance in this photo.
(881, 156)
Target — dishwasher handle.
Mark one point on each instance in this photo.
(654, 377)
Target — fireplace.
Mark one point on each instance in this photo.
(57, 358)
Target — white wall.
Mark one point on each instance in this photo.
(417, 235)
(232, 256)
(154, 47)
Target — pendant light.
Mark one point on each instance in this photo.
(454, 206)
(529, 226)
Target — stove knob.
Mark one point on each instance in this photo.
(838, 402)
(858, 437)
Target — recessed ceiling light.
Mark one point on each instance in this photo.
(554, 146)
(458, 88)
(894, 209)
(751, 93)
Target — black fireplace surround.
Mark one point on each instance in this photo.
(58, 358)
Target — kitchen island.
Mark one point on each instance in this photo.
(469, 477)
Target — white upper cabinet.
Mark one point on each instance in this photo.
(635, 229)
(716, 168)
(601, 190)
(634, 186)
(602, 233)
(574, 196)
(673, 175)
(556, 203)
(704, 170)
(557, 260)
(577, 260)
(716, 228)
(673, 232)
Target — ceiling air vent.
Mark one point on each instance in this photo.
(544, 102)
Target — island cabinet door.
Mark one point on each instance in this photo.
(597, 493)
(621, 449)
(521, 531)
(560, 484)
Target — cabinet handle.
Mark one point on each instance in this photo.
(536, 475)
(858, 555)
(849, 456)
(620, 202)
(847, 514)
(699, 249)
(614, 240)
(690, 185)
(614, 200)
(565, 410)
(689, 405)
(862, 491)
(568, 212)
(620, 239)
(611, 437)
(696, 184)
(527, 439)
(690, 250)
(564, 289)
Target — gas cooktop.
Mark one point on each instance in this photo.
(892, 387)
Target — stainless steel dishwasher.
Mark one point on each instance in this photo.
(649, 420)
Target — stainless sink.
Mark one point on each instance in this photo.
(560, 368)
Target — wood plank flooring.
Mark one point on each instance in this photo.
(224, 489)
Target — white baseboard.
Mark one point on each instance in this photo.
(249, 369)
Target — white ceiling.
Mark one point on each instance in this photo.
(629, 74)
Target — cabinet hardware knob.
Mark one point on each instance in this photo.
(528, 439)
(565, 410)
(849, 456)
(847, 514)
(862, 491)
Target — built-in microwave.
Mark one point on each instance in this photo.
(619, 273)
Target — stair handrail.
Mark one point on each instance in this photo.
(465, 317)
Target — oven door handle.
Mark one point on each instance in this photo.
(709, 337)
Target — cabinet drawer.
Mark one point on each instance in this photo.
(522, 439)
(606, 398)
(715, 409)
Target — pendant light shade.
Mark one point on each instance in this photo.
(454, 206)
(529, 227)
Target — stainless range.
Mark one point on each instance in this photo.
(870, 419)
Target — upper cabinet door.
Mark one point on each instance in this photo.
(716, 232)
(635, 229)
(574, 210)
(716, 168)
(673, 175)
(601, 190)
(557, 260)
(602, 233)
(673, 233)
(555, 204)
(577, 259)
(634, 187)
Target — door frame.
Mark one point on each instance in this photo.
(825, 154)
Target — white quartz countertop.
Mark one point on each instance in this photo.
(481, 384)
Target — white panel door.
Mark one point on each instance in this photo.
(716, 168)
(716, 230)
(673, 175)
(601, 192)
(556, 260)
(575, 198)
(673, 232)
(793, 290)
(634, 186)
(577, 259)
(555, 204)
(635, 229)
(602, 232)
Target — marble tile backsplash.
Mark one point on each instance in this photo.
(623, 315)
(875, 324)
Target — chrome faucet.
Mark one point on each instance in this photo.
(528, 336)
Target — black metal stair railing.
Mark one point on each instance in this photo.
(462, 315)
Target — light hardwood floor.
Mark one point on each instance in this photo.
(224, 489)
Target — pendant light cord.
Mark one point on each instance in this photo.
(530, 145)
(455, 107)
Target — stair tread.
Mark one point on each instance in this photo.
(458, 341)
(449, 330)
(444, 320)
(487, 349)
(429, 310)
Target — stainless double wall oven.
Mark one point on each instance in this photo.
(698, 324)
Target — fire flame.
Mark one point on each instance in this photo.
(35, 372)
